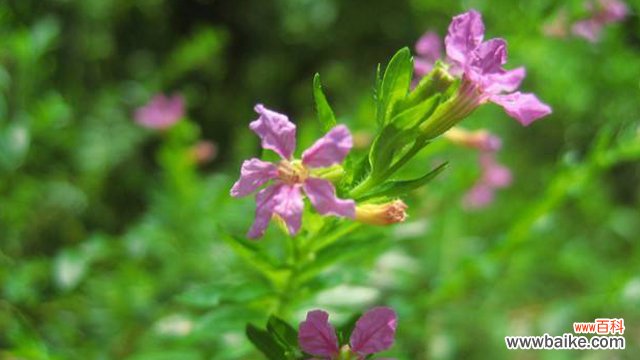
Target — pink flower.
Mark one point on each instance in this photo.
(289, 177)
(161, 112)
(494, 176)
(428, 51)
(374, 332)
(603, 13)
(483, 77)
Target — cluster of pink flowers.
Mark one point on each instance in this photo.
(374, 332)
(601, 13)
(493, 175)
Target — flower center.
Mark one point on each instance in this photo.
(292, 172)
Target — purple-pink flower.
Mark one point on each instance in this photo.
(484, 79)
(428, 51)
(374, 332)
(494, 176)
(289, 177)
(480, 65)
(161, 112)
(602, 13)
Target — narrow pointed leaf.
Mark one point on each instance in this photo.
(286, 334)
(265, 342)
(399, 187)
(395, 83)
(325, 114)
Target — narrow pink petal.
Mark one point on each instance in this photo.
(330, 149)
(480, 195)
(504, 81)
(289, 206)
(160, 112)
(613, 10)
(316, 336)
(524, 107)
(322, 195)
(490, 56)
(266, 201)
(275, 130)
(375, 331)
(466, 32)
(253, 174)
(589, 29)
(422, 66)
(428, 50)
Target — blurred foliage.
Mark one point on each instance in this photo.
(115, 243)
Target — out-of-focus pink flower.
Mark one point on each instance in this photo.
(494, 176)
(602, 13)
(284, 197)
(480, 63)
(558, 26)
(161, 112)
(374, 332)
(203, 151)
(428, 51)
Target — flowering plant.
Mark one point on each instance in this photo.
(364, 188)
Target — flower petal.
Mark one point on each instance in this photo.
(330, 149)
(161, 112)
(479, 196)
(504, 81)
(428, 50)
(266, 201)
(589, 29)
(466, 32)
(493, 173)
(253, 174)
(375, 331)
(289, 206)
(316, 336)
(489, 57)
(526, 108)
(322, 195)
(613, 10)
(275, 130)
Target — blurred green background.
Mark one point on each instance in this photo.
(111, 236)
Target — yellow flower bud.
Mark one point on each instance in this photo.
(382, 214)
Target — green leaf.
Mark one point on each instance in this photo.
(287, 335)
(251, 254)
(212, 294)
(399, 187)
(344, 331)
(342, 251)
(412, 117)
(383, 149)
(265, 342)
(395, 84)
(325, 113)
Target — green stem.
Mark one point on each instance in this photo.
(362, 188)
(288, 291)
(417, 146)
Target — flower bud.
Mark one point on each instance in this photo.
(382, 214)
(481, 139)
(347, 354)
